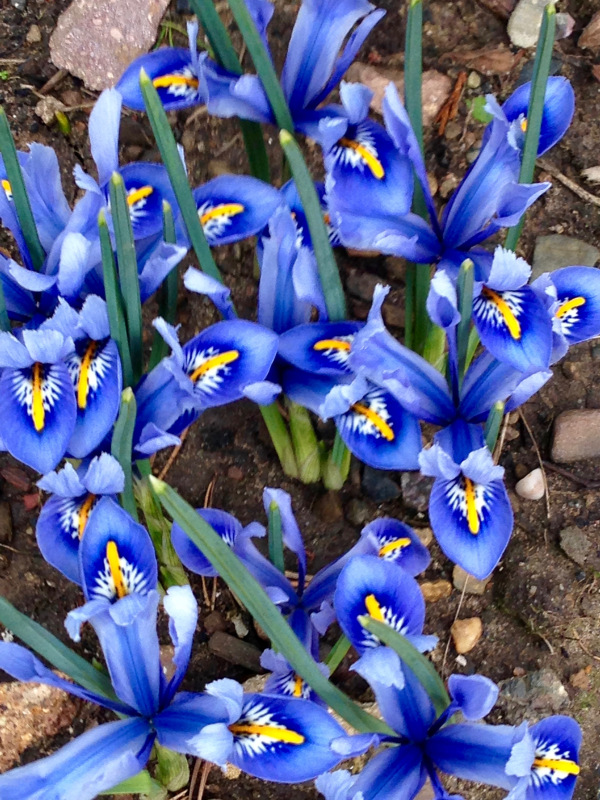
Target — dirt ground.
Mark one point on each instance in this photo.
(540, 610)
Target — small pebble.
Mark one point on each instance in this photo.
(34, 35)
(235, 473)
(460, 578)
(466, 633)
(436, 590)
(531, 487)
(474, 80)
(425, 535)
(576, 435)
(453, 130)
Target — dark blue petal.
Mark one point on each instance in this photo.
(116, 555)
(474, 695)
(370, 175)
(39, 409)
(227, 356)
(556, 739)
(320, 348)
(59, 528)
(232, 95)
(472, 522)
(392, 540)
(233, 207)
(559, 107)
(474, 752)
(284, 740)
(95, 369)
(578, 295)
(179, 725)
(515, 327)
(226, 525)
(370, 586)
(306, 389)
(147, 185)
(173, 74)
(380, 432)
(397, 773)
(92, 763)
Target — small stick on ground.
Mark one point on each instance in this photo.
(541, 463)
(587, 482)
(570, 184)
(577, 638)
(173, 456)
(209, 493)
(53, 82)
(460, 602)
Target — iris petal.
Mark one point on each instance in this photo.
(226, 525)
(171, 69)
(578, 295)
(559, 107)
(320, 348)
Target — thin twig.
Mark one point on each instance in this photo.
(205, 591)
(53, 82)
(203, 780)
(500, 442)
(541, 463)
(460, 602)
(210, 490)
(173, 456)
(570, 184)
(194, 778)
(577, 638)
(12, 549)
(587, 482)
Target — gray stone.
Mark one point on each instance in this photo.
(416, 489)
(576, 435)
(461, 578)
(539, 691)
(378, 486)
(358, 512)
(526, 20)
(96, 40)
(556, 251)
(34, 35)
(575, 544)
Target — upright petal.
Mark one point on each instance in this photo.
(180, 604)
(232, 95)
(559, 107)
(292, 538)
(104, 124)
(90, 764)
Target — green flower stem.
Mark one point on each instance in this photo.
(493, 423)
(167, 297)
(4, 320)
(304, 440)
(128, 271)
(254, 598)
(337, 653)
(328, 270)
(280, 437)
(19, 193)
(177, 175)
(541, 70)
(121, 447)
(114, 301)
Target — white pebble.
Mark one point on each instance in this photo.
(531, 487)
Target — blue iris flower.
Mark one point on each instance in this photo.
(174, 72)
(74, 496)
(488, 198)
(222, 364)
(320, 51)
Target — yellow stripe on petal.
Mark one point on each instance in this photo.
(378, 421)
(164, 81)
(114, 565)
(331, 344)
(373, 163)
(472, 515)
(524, 124)
(271, 731)
(228, 357)
(83, 384)
(512, 323)
(84, 513)
(374, 608)
(37, 404)
(569, 305)
(139, 194)
(569, 767)
(391, 547)
(7, 188)
(223, 210)
(298, 686)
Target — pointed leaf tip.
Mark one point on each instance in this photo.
(285, 137)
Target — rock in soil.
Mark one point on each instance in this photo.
(358, 512)
(539, 691)
(231, 649)
(556, 251)
(466, 633)
(531, 487)
(575, 544)
(590, 37)
(329, 508)
(526, 20)
(435, 90)
(416, 489)
(461, 577)
(30, 713)
(436, 590)
(96, 40)
(378, 486)
(576, 435)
